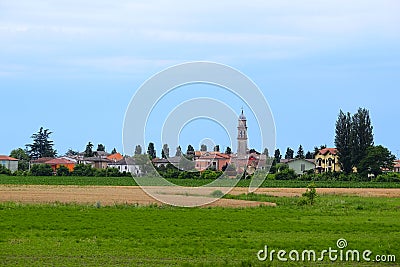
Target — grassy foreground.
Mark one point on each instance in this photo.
(129, 181)
(74, 235)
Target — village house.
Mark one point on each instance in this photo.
(9, 163)
(300, 166)
(327, 160)
(126, 164)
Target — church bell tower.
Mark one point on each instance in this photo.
(242, 135)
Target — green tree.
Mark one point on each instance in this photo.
(23, 158)
(228, 150)
(178, 152)
(361, 135)
(309, 155)
(216, 148)
(101, 147)
(114, 151)
(83, 170)
(266, 152)
(71, 152)
(151, 151)
(138, 150)
(42, 146)
(376, 159)
(300, 153)
(190, 151)
(277, 156)
(203, 147)
(41, 170)
(165, 151)
(289, 153)
(343, 141)
(89, 150)
(63, 171)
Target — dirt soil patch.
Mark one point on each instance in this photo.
(111, 195)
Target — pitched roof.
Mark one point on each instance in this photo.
(397, 163)
(124, 161)
(115, 157)
(3, 157)
(325, 151)
(59, 161)
(42, 160)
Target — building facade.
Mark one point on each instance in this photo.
(9, 163)
(327, 160)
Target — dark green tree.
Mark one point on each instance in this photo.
(190, 151)
(203, 147)
(101, 147)
(151, 151)
(41, 170)
(138, 150)
(266, 152)
(178, 152)
(89, 150)
(42, 146)
(300, 153)
(277, 156)
(343, 141)
(228, 150)
(377, 158)
(71, 152)
(289, 153)
(114, 151)
(361, 135)
(309, 155)
(165, 151)
(63, 171)
(216, 148)
(23, 158)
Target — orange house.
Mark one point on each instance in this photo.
(115, 157)
(56, 163)
(214, 160)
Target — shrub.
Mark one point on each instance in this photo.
(309, 196)
(388, 177)
(63, 171)
(286, 174)
(83, 170)
(4, 170)
(41, 170)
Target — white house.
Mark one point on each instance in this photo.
(9, 162)
(127, 164)
(300, 166)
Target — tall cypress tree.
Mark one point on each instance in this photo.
(361, 135)
(151, 151)
(343, 141)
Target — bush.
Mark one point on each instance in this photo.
(63, 171)
(388, 177)
(83, 170)
(286, 174)
(309, 196)
(41, 170)
(4, 170)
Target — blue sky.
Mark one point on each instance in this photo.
(73, 67)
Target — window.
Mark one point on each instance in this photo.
(303, 167)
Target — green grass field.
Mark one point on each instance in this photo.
(126, 181)
(74, 235)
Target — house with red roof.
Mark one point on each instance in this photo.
(396, 167)
(213, 160)
(327, 160)
(9, 162)
(58, 162)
